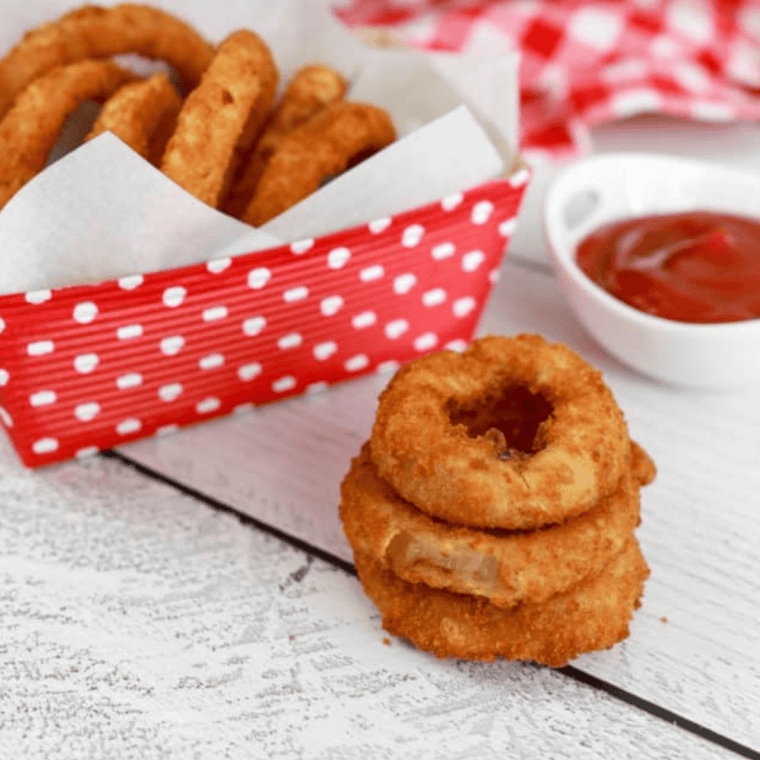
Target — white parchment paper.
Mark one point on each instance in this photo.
(102, 212)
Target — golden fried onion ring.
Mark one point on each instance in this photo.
(437, 436)
(311, 89)
(593, 615)
(141, 114)
(221, 117)
(31, 128)
(96, 32)
(325, 145)
(506, 567)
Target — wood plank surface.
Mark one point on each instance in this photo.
(138, 622)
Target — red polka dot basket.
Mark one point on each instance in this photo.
(87, 367)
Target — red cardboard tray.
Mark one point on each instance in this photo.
(84, 368)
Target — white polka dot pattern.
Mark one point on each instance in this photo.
(87, 411)
(377, 226)
(291, 295)
(258, 278)
(284, 384)
(254, 325)
(208, 405)
(215, 266)
(214, 312)
(434, 297)
(338, 258)
(323, 351)
(127, 332)
(85, 312)
(375, 272)
(174, 296)
(40, 347)
(396, 329)
(129, 380)
(443, 251)
(45, 446)
(43, 398)
(169, 392)
(38, 296)
(404, 283)
(301, 246)
(426, 341)
(85, 363)
(331, 305)
(249, 371)
(450, 202)
(463, 306)
(131, 282)
(172, 345)
(365, 319)
(291, 340)
(412, 235)
(357, 363)
(150, 353)
(130, 425)
(211, 361)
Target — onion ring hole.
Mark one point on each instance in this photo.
(510, 418)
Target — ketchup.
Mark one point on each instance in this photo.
(697, 266)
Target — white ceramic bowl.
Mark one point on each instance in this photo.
(612, 186)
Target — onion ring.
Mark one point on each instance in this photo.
(221, 117)
(643, 467)
(506, 567)
(95, 32)
(31, 128)
(322, 147)
(141, 114)
(447, 439)
(311, 89)
(594, 615)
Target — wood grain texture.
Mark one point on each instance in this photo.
(140, 623)
(283, 465)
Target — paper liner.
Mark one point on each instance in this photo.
(86, 368)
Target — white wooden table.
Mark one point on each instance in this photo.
(193, 596)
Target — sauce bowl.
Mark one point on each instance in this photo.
(608, 187)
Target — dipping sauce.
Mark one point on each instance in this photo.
(697, 266)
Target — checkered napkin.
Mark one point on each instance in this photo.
(584, 63)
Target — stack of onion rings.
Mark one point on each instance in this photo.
(498, 489)
(219, 132)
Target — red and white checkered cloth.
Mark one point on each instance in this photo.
(586, 62)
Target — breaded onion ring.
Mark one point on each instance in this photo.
(325, 145)
(141, 114)
(95, 32)
(309, 91)
(221, 117)
(506, 567)
(31, 128)
(643, 467)
(514, 433)
(594, 615)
